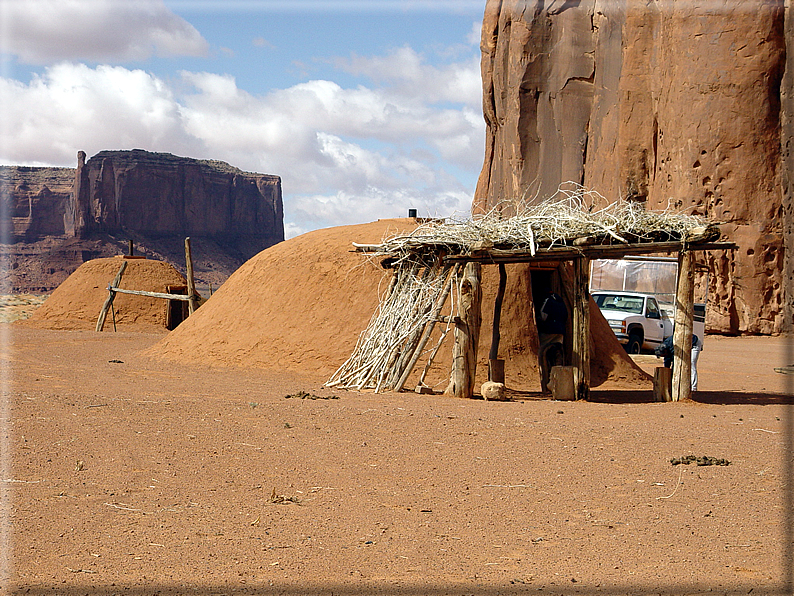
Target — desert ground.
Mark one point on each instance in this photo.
(127, 475)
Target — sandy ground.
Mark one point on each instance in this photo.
(125, 475)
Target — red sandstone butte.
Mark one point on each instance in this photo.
(667, 103)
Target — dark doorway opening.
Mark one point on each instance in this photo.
(176, 310)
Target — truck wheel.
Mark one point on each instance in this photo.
(635, 344)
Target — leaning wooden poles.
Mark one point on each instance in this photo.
(100, 324)
(396, 337)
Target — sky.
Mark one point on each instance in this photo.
(365, 108)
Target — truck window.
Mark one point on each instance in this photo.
(653, 309)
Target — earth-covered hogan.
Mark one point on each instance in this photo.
(77, 302)
(302, 305)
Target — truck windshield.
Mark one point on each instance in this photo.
(630, 304)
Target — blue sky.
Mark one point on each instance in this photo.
(364, 108)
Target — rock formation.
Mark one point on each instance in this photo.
(54, 219)
(158, 194)
(664, 102)
(35, 201)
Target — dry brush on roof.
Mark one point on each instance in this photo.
(573, 214)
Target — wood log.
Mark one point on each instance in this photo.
(116, 290)
(662, 384)
(580, 340)
(567, 253)
(496, 370)
(467, 334)
(100, 324)
(191, 284)
(562, 383)
(682, 334)
(432, 358)
(455, 320)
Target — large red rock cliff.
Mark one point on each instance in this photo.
(159, 194)
(54, 219)
(664, 102)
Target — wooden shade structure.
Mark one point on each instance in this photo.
(460, 250)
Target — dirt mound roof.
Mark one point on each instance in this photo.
(302, 304)
(76, 303)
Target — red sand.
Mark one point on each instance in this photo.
(396, 494)
(302, 304)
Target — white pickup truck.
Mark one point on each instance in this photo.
(636, 319)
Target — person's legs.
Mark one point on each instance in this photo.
(695, 355)
(546, 341)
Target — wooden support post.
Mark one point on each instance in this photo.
(191, 285)
(580, 342)
(662, 384)
(497, 313)
(467, 334)
(562, 384)
(682, 335)
(100, 324)
(496, 367)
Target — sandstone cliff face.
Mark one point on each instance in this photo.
(664, 102)
(54, 219)
(35, 201)
(158, 194)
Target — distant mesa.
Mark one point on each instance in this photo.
(54, 219)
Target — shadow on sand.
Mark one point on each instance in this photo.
(630, 396)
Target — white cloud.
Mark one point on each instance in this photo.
(409, 76)
(261, 42)
(74, 107)
(317, 211)
(344, 155)
(475, 35)
(47, 31)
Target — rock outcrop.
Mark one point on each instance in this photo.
(35, 202)
(160, 195)
(665, 103)
(54, 219)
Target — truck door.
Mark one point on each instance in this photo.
(654, 330)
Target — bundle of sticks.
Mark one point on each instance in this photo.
(396, 337)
